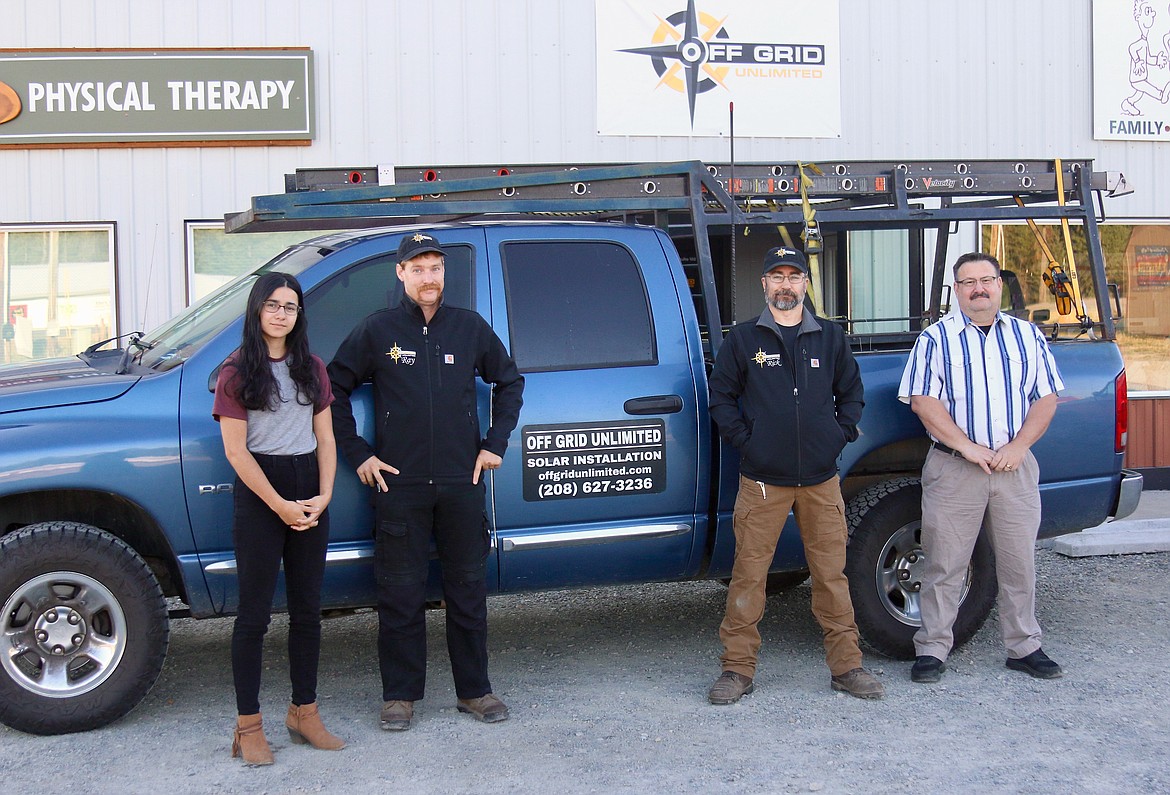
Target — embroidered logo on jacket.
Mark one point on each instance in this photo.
(399, 356)
(768, 359)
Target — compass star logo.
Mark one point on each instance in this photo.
(692, 53)
(400, 356)
(688, 50)
(768, 359)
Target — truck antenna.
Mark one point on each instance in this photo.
(149, 274)
(731, 193)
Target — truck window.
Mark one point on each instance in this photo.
(179, 338)
(335, 306)
(575, 305)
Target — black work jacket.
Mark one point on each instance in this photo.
(789, 413)
(427, 423)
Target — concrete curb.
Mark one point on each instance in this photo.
(1123, 537)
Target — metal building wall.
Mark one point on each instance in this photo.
(513, 81)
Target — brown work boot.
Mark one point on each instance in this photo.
(729, 687)
(304, 726)
(488, 709)
(249, 741)
(860, 683)
(396, 715)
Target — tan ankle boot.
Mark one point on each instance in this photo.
(249, 741)
(304, 726)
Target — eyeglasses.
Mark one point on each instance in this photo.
(272, 307)
(986, 281)
(780, 278)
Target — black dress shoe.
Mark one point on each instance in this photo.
(927, 669)
(1037, 664)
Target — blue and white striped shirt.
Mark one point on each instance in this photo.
(987, 382)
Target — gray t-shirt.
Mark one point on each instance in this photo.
(286, 430)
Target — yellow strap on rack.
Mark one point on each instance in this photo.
(1074, 282)
(785, 237)
(811, 235)
(1054, 276)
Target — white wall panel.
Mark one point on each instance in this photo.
(513, 81)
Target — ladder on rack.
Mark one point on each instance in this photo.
(857, 194)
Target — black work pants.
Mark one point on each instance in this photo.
(408, 517)
(262, 543)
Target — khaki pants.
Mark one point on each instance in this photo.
(760, 513)
(956, 496)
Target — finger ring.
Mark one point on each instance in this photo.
(1009, 466)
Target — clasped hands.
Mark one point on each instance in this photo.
(1006, 459)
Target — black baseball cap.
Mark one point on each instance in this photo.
(783, 255)
(415, 244)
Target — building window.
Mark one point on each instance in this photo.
(214, 257)
(879, 280)
(1137, 261)
(576, 305)
(57, 289)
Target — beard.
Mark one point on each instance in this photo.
(783, 300)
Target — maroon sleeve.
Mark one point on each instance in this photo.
(326, 397)
(227, 400)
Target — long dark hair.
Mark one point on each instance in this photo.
(256, 385)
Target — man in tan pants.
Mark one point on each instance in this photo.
(984, 385)
(787, 393)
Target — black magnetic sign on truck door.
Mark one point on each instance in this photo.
(594, 459)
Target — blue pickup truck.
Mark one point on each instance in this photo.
(115, 495)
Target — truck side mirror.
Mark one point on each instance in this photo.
(1041, 315)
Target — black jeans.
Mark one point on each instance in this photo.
(262, 542)
(408, 516)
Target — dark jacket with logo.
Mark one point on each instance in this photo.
(790, 413)
(424, 375)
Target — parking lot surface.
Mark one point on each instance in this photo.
(607, 690)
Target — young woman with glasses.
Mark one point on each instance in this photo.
(272, 401)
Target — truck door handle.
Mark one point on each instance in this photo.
(656, 404)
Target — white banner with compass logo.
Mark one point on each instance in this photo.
(671, 67)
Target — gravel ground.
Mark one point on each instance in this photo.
(607, 689)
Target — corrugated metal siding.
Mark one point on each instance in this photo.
(513, 81)
(1149, 433)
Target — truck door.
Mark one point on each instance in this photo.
(344, 287)
(334, 306)
(602, 477)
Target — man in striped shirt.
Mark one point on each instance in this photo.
(984, 384)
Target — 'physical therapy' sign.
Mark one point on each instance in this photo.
(162, 96)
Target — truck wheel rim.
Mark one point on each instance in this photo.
(64, 634)
(900, 569)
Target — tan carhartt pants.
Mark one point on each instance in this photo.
(760, 513)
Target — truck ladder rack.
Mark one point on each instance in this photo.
(861, 191)
(866, 194)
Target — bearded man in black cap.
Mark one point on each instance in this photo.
(427, 472)
(787, 393)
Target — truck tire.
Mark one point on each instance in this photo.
(85, 628)
(885, 564)
(781, 581)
